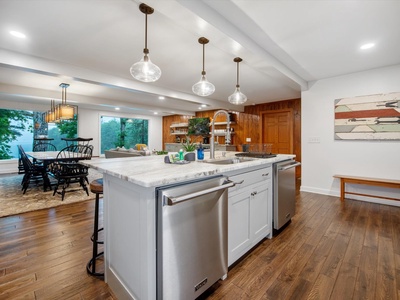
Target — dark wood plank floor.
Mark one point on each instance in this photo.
(331, 250)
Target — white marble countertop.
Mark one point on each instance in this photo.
(151, 171)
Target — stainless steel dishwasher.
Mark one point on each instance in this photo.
(284, 181)
(192, 220)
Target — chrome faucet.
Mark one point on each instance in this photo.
(227, 135)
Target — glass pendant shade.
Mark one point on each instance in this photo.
(237, 97)
(203, 87)
(145, 70)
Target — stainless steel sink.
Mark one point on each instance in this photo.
(227, 161)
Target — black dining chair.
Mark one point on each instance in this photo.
(32, 173)
(67, 169)
(21, 169)
(44, 147)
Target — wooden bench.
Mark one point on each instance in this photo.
(390, 183)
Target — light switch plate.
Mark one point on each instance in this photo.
(314, 139)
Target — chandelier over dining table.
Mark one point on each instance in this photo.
(62, 111)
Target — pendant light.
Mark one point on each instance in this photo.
(64, 111)
(145, 70)
(203, 87)
(237, 97)
(50, 116)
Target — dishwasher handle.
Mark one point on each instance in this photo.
(186, 197)
(287, 167)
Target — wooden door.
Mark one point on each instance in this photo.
(277, 129)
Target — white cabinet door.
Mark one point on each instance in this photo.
(239, 232)
(249, 212)
(260, 211)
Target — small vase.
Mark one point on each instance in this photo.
(190, 156)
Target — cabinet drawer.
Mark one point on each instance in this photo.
(249, 178)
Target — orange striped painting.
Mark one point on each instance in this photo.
(372, 117)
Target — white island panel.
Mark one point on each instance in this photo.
(129, 221)
(130, 213)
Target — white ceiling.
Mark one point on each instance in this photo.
(91, 45)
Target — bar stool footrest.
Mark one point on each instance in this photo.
(97, 242)
(91, 263)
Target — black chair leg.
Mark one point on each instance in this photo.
(26, 183)
(91, 265)
(64, 187)
(56, 187)
(83, 185)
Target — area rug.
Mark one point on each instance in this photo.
(13, 202)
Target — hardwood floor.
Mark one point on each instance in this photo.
(331, 250)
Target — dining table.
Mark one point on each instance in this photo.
(48, 157)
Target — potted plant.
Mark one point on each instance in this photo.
(189, 148)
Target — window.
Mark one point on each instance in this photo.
(123, 132)
(20, 127)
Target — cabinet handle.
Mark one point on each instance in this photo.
(265, 174)
(240, 182)
(254, 193)
(186, 197)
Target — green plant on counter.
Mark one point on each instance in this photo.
(188, 146)
(173, 158)
(162, 152)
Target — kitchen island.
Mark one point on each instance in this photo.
(130, 212)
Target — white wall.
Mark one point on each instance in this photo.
(320, 161)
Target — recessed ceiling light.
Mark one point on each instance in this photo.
(117, 108)
(204, 105)
(367, 46)
(200, 107)
(161, 98)
(156, 113)
(17, 34)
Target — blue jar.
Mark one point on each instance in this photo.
(200, 152)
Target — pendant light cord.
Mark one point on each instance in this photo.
(237, 75)
(147, 10)
(237, 60)
(204, 50)
(145, 50)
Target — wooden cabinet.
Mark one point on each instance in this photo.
(249, 211)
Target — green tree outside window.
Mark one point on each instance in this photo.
(123, 132)
(12, 123)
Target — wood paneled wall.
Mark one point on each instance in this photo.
(168, 120)
(247, 124)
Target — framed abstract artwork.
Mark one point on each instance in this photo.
(371, 117)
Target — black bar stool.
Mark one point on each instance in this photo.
(96, 186)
